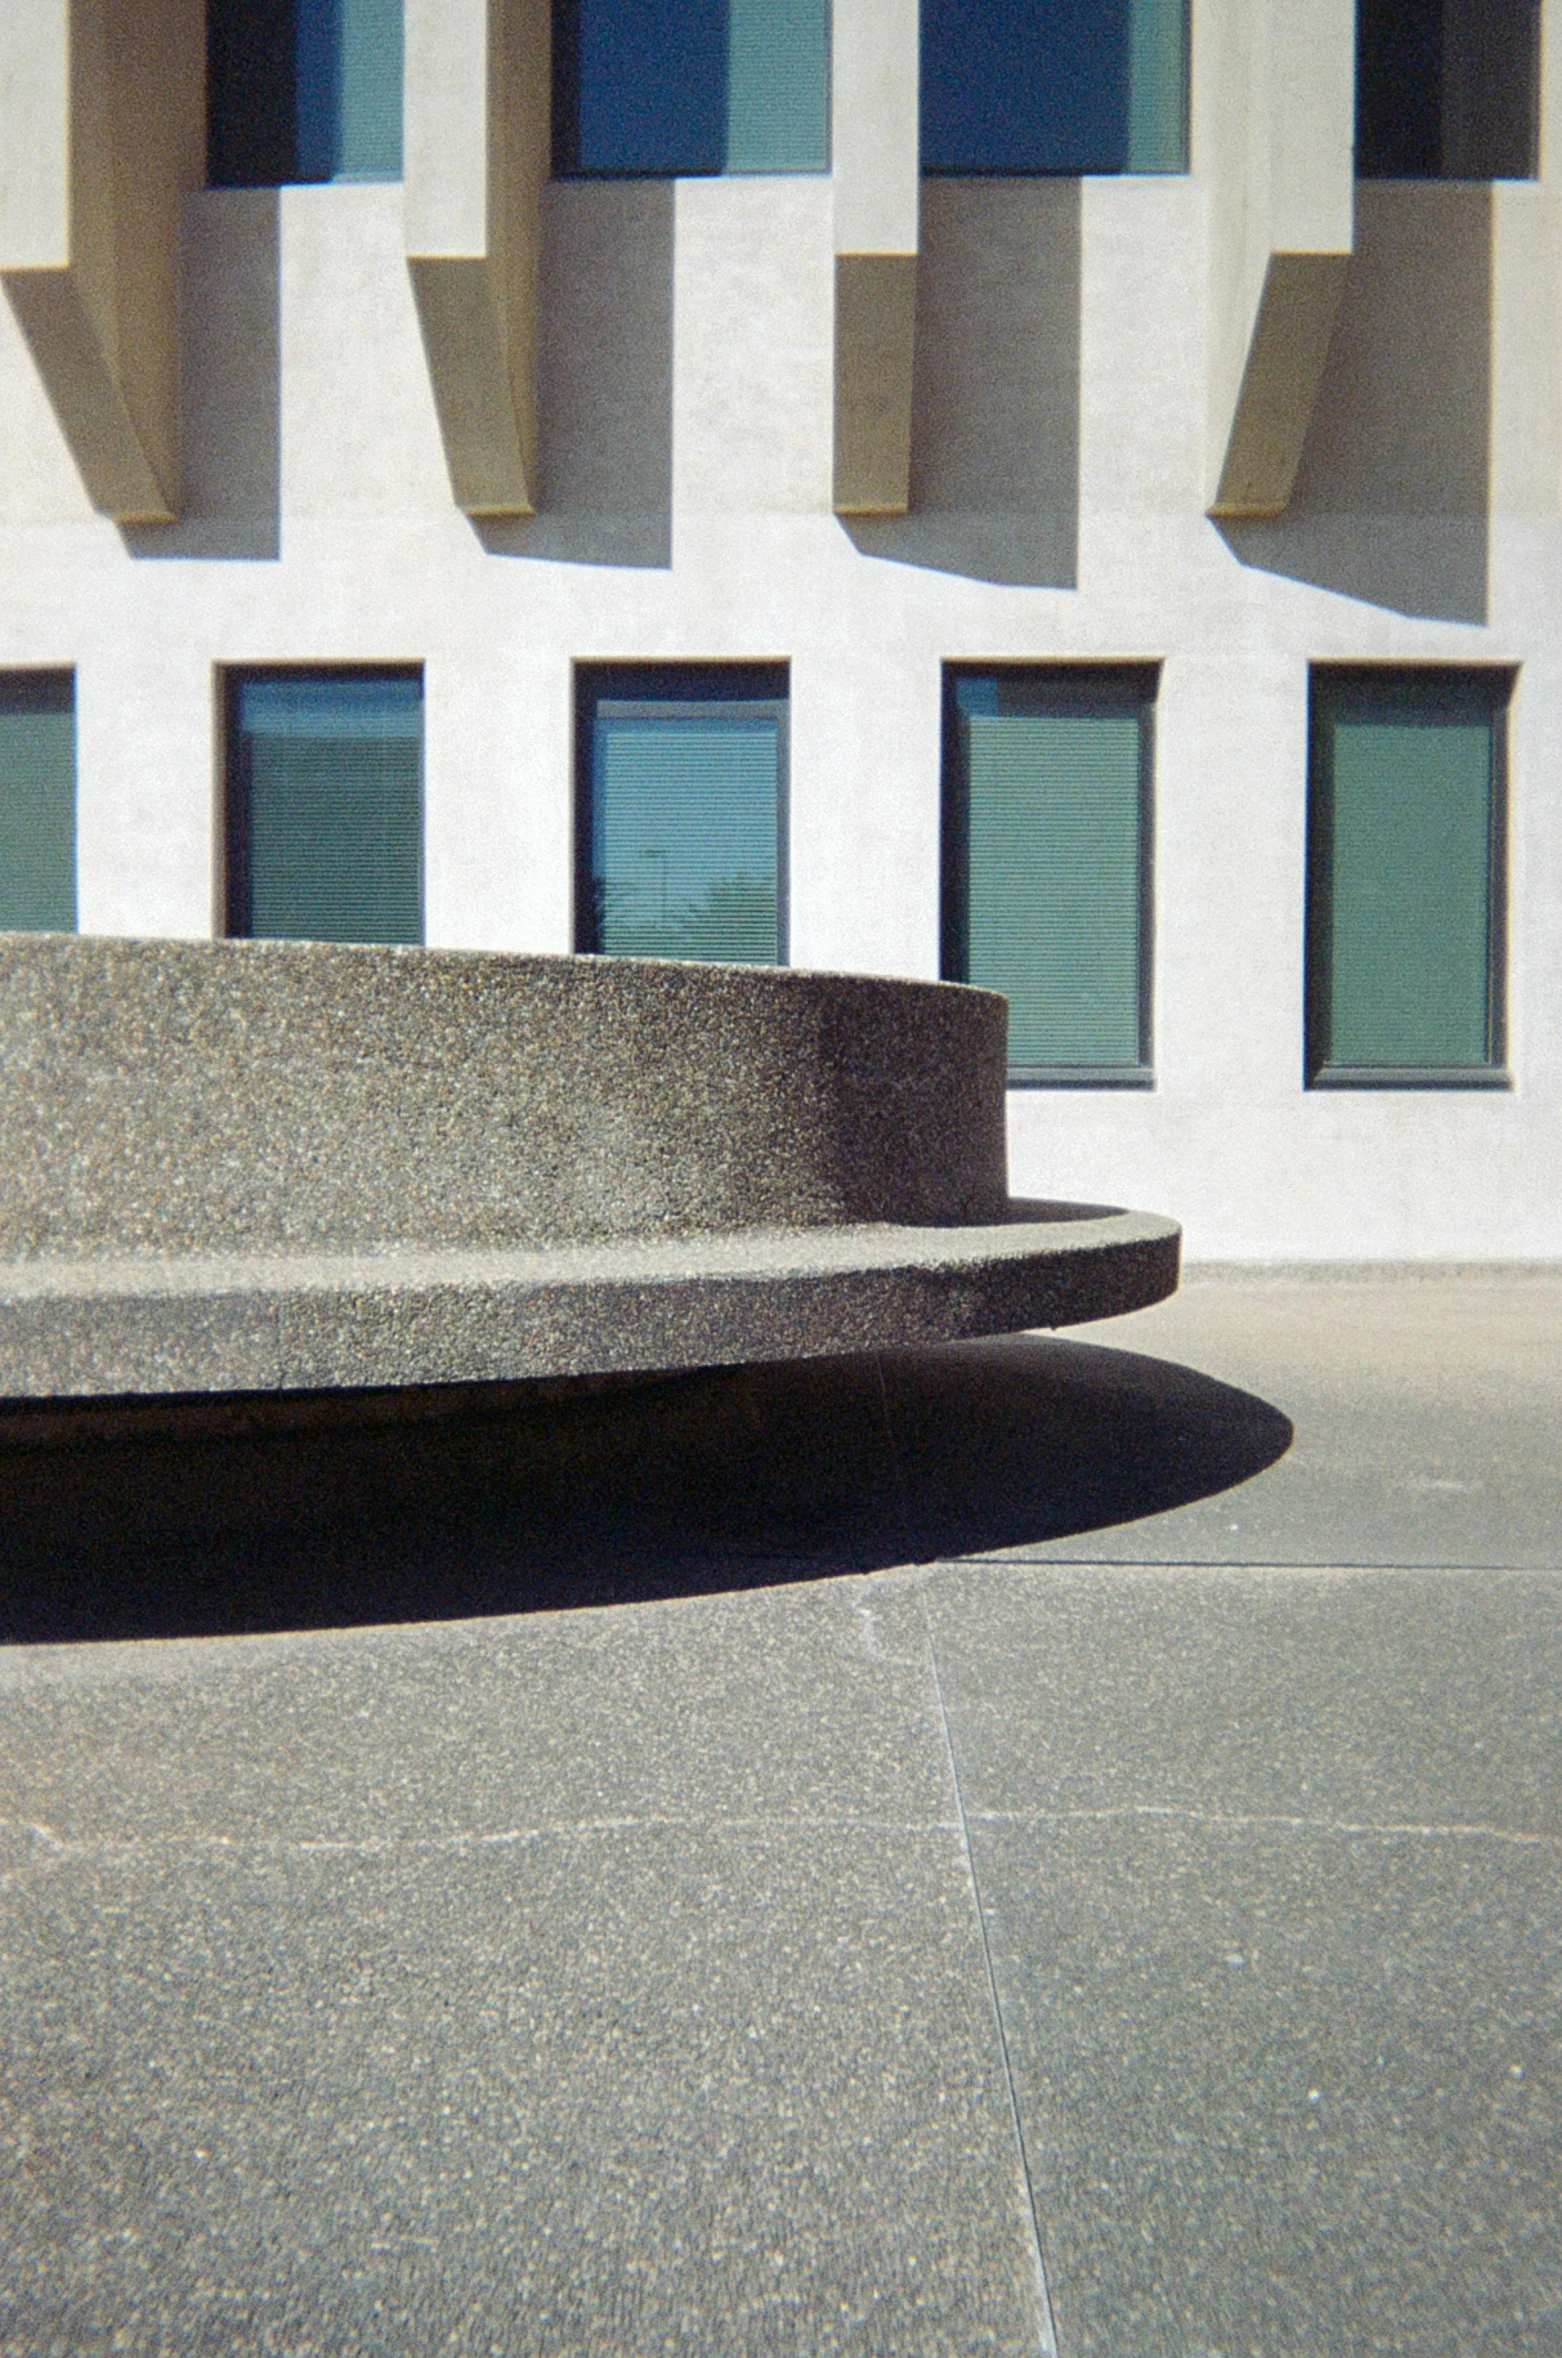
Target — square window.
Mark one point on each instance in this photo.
(681, 812)
(37, 802)
(303, 90)
(647, 89)
(325, 805)
(1405, 885)
(1046, 863)
(1065, 86)
(1447, 89)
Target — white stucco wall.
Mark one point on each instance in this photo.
(323, 530)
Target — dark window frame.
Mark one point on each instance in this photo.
(954, 850)
(234, 897)
(597, 682)
(1319, 1072)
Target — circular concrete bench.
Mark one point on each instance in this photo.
(266, 1166)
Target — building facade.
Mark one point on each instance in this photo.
(1064, 497)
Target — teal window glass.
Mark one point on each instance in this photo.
(1046, 883)
(1063, 86)
(681, 814)
(658, 88)
(1447, 89)
(1405, 826)
(303, 90)
(37, 802)
(325, 806)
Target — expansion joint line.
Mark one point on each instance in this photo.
(1049, 2337)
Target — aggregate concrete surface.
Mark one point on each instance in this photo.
(1001, 1848)
(239, 1166)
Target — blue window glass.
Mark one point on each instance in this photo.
(303, 90)
(1065, 86)
(1046, 869)
(325, 806)
(660, 88)
(37, 802)
(681, 813)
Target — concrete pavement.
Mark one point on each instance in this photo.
(1028, 1851)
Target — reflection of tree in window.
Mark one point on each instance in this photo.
(684, 816)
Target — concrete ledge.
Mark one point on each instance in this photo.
(162, 1324)
(291, 1166)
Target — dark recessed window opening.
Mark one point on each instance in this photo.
(1047, 863)
(37, 802)
(1447, 89)
(662, 88)
(681, 811)
(1065, 86)
(1405, 888)
(303, 90)
(325, 805)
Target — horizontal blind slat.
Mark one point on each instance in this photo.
(334, 820)
(37, 812)
(1053, 883)
(1410, 889)
(778, 86)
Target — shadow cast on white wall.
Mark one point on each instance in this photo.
(995, 404)
(1392, 498)
(606, 392)
(231, 388)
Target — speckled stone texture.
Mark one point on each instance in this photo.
(307, 1097)
(286, 1166)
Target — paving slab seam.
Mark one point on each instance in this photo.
(1389, 1830)
(1217, 1566)
(1047, 2344)
(109, 1846)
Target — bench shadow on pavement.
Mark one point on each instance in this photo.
(193, 1518)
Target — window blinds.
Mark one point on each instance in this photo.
(1054, 86)
(303, 90)
(685, 813)
(778, 86)
(325, 818)
(648, 88)
(37, 802)
(1402, 904)
(1048, 866)
(1157, 86)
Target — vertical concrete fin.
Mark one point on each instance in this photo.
(478, 128)
(1274, 125)
(874, 151)
(102, 134)
(875, 324)
(1285, 356)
